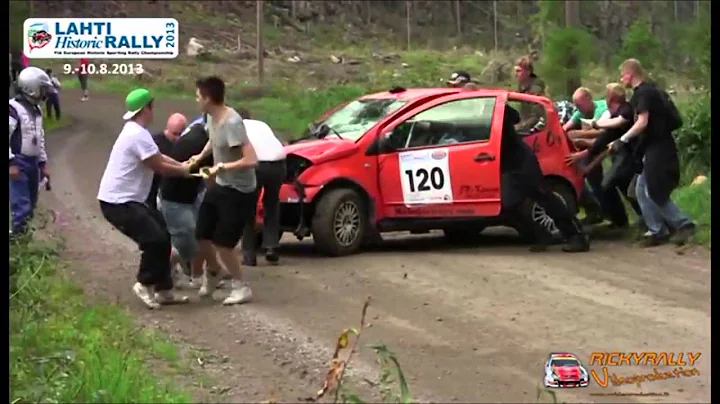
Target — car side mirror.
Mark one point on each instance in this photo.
(381, 145)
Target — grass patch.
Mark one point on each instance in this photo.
(52, 123)
(695, 201)
(64, 349)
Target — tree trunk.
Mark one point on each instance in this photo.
(675, 10)
(495, 25)
(259, 33)
(368, 13)
(407, 21)
(458, 21)
(572, 19)
(293, 9)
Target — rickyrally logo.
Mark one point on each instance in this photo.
(38, 35)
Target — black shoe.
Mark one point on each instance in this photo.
(577, 243)
(684, 234)
(653, 241)
(272, 256)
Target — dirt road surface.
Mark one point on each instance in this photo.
(468, 324)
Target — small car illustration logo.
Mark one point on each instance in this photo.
(38, 36)
(564, 369)
(438, 154)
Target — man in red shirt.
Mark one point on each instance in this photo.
(82, 72)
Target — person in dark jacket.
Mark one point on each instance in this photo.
(164, 141)
(661, 166)
(522, 182)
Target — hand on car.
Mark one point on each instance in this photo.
(582, 143)
(616, 146)
(573, 158)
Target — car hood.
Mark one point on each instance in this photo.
(567, 372)
(319, 151)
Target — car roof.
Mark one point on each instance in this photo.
(417, 93)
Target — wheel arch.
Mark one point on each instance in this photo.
(567, 185)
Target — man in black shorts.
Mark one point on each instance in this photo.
(229, 203)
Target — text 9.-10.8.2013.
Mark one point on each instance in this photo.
(115, 69)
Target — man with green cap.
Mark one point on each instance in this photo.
(124, 188)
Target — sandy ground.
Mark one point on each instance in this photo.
(468, 324)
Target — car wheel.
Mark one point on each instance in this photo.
(339, 224)
(463, 236)
(538, 214)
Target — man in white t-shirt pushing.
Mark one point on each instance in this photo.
(124, 188)
(270, 173)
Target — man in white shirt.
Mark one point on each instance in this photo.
(270, 173)
(124, 188)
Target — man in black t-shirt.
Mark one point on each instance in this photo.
(661, 167)
(164, 140)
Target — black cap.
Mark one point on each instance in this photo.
(459, 77)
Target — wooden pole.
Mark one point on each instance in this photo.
(260, 49)
(407, 21)
(458, 20)
(495, 25)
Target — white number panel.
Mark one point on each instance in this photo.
(425, 176)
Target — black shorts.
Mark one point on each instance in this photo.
(222, 215)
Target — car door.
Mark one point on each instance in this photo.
(534, 127)
(445, 160)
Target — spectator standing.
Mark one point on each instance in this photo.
(53, 96)
(164, 141)
(82, 72)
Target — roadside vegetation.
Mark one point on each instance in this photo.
(64, 349)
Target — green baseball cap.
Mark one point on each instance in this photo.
(136, 101)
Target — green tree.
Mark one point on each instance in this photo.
(560, 46)
(640, 43)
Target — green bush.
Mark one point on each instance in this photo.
(640, 43)
(694, 137)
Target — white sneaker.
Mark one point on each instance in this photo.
(209, 284)
(168, 297)
(195, 283)
(240, 294)
(145, 294)
(181, 281)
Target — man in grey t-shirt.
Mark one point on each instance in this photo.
(226, 138)
(229, 203)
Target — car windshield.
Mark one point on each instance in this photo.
(352, 120)
(564, 362)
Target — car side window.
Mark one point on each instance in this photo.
(458, 121)
(533, 117)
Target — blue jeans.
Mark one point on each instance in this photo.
(656, 216)
(24, 192)
(181, 219)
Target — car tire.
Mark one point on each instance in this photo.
(463, 236)
(339, 223)
(536, 213)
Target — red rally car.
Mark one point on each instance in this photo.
(415, 160)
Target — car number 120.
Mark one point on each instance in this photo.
(427, 180)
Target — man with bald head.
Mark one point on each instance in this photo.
(164, 140)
